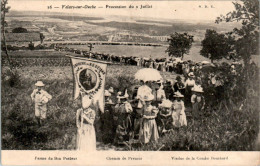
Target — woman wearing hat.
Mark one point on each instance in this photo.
(168, 90)
(124, 121)
(148, 129)
(106, 123)
(143, 90)
(164, 116)
(40, 97)
(178, 115)
(111, 90)
(197, 101)
(86, 136)
(189, 84)
(160, 95)
(179, 85)
(107, 97)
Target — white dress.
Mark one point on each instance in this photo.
(86, 136)
(160, 94)
(148, 130)
(142, 91)
(178, 115)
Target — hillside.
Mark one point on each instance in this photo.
(60, 26)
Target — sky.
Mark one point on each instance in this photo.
(164, 9)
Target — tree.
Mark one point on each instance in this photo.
(4, 10)
(179, 44)
(19, 30)
(215, 46)
(247, 37)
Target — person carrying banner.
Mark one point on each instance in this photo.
(40, 97)
(86, 136)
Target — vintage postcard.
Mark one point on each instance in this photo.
(92, 82)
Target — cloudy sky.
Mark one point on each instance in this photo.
(193, 10)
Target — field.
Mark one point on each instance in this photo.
(57, 26)
(225, 127)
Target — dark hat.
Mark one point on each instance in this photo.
(178, 78)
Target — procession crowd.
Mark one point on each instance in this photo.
(150, 109)
(153, 109)
(175, 65)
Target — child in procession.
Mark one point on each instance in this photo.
(40, 97)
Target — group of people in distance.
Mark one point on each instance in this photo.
(151, 110)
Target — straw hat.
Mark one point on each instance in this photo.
(177, 94)
(39, 83)
(149, 97)
(191, 74)
(120, 96)
(107, 93)
(197, 88)
(178, 78)
(111, 90)
(166, 104)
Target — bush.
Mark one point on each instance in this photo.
(19, 30)
(11, 77)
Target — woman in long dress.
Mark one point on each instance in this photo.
(86, 136)
(164, 116)
(198, 102)
(143, 90)
(148, 129)
(189, 84)
(124, 119)
(178, 115)
(179, 85)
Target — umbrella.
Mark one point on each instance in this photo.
(148, 74)
(236, 63)
(205, 62)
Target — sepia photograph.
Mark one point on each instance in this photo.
(130, 75)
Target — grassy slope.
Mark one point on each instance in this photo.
(19, 131)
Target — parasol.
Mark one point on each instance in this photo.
(205, 62)
(177, 60)
(148, 74)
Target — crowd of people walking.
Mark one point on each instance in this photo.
(152, 109)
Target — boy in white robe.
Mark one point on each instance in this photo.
(40, 97)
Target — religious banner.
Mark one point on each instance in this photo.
(89, 80)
